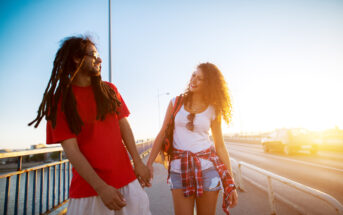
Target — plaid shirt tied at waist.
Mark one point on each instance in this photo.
(191, 173)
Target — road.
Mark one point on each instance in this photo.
(323, 172)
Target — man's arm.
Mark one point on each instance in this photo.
(141, 170)
(111, 197)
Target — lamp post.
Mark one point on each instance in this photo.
(109, 43)
(158, 101)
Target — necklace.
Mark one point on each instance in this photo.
(196, 108)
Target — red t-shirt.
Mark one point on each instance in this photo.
(99, 141)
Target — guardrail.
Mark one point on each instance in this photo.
(243, 139)
(53, 190)
(54, 198)
(332, 202)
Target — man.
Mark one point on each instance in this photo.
(88, 117)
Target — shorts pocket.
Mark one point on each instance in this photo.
(211, 180)
(175, 181)
(214, 184)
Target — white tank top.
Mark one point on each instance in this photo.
(194, 141)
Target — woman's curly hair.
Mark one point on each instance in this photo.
(215, 91)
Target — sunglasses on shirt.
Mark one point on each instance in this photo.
(190, 124)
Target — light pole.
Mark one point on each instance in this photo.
(109, 43)
(158, 101)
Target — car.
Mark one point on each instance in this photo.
(289, 141)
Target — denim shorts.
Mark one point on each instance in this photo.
(210, 177)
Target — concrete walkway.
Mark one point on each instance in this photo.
(253, 201)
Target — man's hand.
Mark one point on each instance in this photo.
(143, 174)
(112, 198)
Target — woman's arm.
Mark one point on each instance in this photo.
(222, 153)
(156, 148)
(111, 197)
(221, 150)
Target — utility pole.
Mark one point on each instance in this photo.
(109, 43)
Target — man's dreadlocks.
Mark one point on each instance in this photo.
(59, 89)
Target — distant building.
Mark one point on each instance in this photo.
(38, 146)
(333, 136)
(5, 150)
(7, 160)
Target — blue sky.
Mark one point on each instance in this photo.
(283, 60)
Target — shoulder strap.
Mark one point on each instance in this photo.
(177, 105)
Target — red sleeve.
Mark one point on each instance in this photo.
(123, 110)
(61, 131)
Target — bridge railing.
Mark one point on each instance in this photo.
(323, 197)
(43, 188)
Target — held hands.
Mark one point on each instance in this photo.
(143, 174)
(112, 198)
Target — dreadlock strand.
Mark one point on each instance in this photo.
(105, 97)
(77, 70)
(42, 106)
(74, 120)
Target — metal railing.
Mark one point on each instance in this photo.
(42, 198)
(52, 190)
(329, 200)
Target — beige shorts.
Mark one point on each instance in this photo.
(136, 198)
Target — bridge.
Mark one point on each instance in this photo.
(268, 183)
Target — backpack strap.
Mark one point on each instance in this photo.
(177, 105)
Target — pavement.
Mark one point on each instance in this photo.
(252, 201)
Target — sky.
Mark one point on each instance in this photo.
(282, 60)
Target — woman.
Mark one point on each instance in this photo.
(196, 168)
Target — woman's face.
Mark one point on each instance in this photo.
(197, 81)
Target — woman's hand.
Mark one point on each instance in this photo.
(143, 174)
(233, 199)
(151, 169)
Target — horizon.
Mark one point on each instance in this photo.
(242, 133)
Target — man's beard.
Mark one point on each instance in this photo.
(91, 70)
(94, 72)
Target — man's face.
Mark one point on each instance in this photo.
(92, 61)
